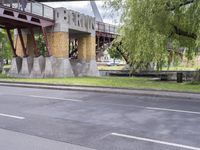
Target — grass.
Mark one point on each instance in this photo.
(178, 68)
(111, 67)
(131, 82)
(182, 68)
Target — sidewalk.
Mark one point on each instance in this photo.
(10, 140)
(143, 92)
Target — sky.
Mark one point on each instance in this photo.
(84, 7)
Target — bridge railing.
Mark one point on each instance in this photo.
(107, 28)
(30, 6)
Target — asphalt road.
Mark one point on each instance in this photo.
(41, 119)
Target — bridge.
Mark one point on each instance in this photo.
(61, 29)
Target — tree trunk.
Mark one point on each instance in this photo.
(1, 65)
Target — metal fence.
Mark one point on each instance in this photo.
(107, 28)
(30, 6)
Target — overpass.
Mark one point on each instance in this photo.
(58, 27)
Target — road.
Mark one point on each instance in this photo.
(42, 119)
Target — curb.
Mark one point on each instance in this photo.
(125, 91)
(88, 86)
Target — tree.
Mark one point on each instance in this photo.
(148, 25)
(117, 51)
(5, 49)
(41, 44)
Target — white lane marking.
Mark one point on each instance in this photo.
(136, 106)
(47, 97)
(173, 110)
(12, 116)
(156, 108)
(56, 98)
(156, 141)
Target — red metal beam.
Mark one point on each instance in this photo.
(46, 41)
(36, 50)
(11, 42)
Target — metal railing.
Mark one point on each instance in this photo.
(106, 28)
(30, 6)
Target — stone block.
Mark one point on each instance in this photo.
(92, 69)
(38, 67)
(48, 69)
(15, 67)
(27, 65)
(77, 67)
(63, 68)
(85, 68)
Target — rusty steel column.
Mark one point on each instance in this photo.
(22, 42)
(46, 41)
(11, 42)
(36, 50)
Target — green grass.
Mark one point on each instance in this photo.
(111, 67)
(178, 68)
(182, 68)
(132, 82)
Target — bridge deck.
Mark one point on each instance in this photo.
(107, 30)
(14, 13)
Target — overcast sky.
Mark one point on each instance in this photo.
(84, 7)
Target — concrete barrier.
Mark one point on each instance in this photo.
(38, 67)
(15, 67)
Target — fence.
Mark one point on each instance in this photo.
(107, 28)
(30, 6)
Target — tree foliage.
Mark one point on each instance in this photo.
(41, 44)
(5, 49)
(116, 50)
(149, 25)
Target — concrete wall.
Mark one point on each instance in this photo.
(69, 19)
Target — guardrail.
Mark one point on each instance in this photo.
(30, 6)
(107, 28)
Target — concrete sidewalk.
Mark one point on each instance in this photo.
(10, 140)
(144, 92)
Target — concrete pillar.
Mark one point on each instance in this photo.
(59, 44)
(82, 49)
(87, 48)
(91, 47)
(86, 64)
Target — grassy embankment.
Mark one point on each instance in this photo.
(131, 82)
